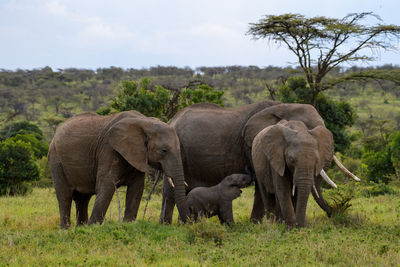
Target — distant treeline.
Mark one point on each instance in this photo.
(47, 97)
(43, 95)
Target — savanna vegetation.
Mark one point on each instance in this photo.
(360, 105)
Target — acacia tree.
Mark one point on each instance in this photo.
(321, 44)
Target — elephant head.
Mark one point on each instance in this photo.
(232, 184)
(143, 141)
(290, 112)
(295, 155)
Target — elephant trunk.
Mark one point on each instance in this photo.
(303, 184)
(301, 204)
(177, 174)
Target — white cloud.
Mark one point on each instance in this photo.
(130, 33)
(56, 8)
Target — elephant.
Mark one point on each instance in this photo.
(92, 154)
(217, 141)
(217, 200)
(286, 158)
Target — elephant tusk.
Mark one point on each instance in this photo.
(315, 190)
(186, 184)
(293, 189)
(344, 170)
(170, 182)
(327, 179)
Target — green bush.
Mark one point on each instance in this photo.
(395, 149)
(17, 167)
(203, 93)
(156, 101)
(45, 175)
(148, 102)
(377, 189)
(15, 128)
(28, 133)
(379, 166)
(39, 146)
(103, 111)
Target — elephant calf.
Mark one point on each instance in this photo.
(217, 200)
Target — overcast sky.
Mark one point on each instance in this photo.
(137, 34)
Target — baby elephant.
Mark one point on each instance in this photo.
(217, 200)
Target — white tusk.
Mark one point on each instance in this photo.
(327, 179)
(186, 184)
(315, 191)
(344, 170)
(293, 189)
(170, 182)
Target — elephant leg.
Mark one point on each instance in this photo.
(258, 212)
(103, 199)
(134, 196)
(106, 182)
(270, 205)
(225, 213)
(63, 193)
(268, 199)
(278, 212)
(168, 203)
(284, 199)
(320, 198)
(81, 204)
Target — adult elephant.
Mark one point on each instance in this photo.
(286, 158)
(92, 154)
(216, 142)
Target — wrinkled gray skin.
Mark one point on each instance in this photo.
(285, 155)
(216, 142)
(217, 200)
(92, 154)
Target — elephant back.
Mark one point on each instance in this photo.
(273, 114)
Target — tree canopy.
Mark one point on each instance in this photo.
(157, 101)
(337, 114)
(321, 44)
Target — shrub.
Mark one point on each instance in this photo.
(377, 189)
(148, 102)
(103, 111)
(379, 166)
(28, 133)
(157, 101)
(203, 93)
(17, 167)
(21, 127)
(395, 157)
(39, 146)
(340, 198)
(45, 175)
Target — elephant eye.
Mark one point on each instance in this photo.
(291, 159)
(164, 150)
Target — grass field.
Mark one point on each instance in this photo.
(368, 236)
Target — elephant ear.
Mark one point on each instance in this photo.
(128, 138)
(274, 144)
(324, 139)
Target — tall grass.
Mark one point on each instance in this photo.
(29, 235)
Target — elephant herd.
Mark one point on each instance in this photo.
(286, 148)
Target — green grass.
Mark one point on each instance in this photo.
(368, 236)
